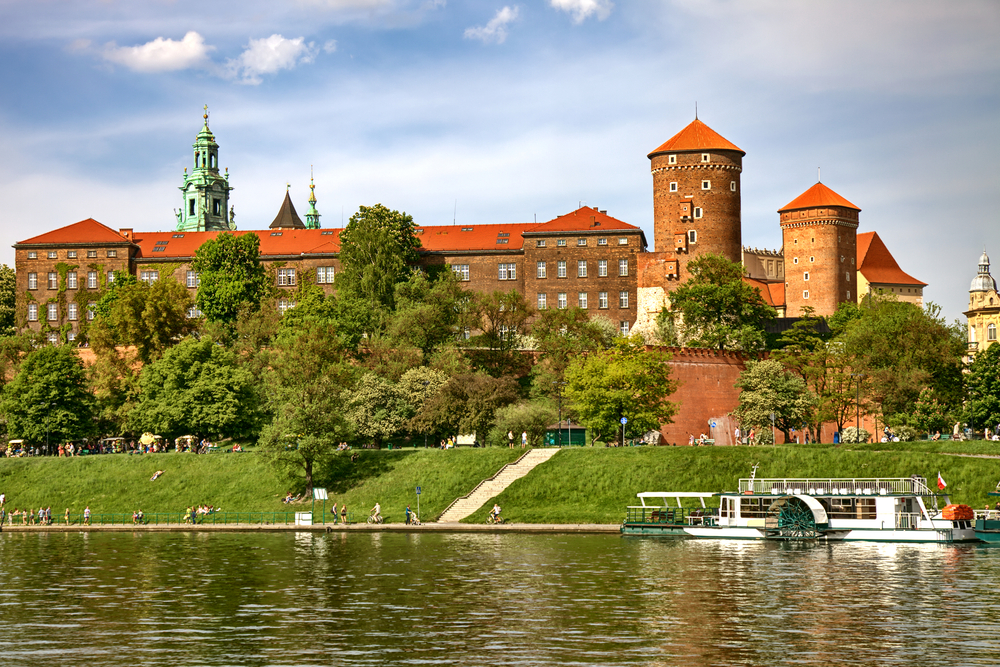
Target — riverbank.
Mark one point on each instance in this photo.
(328, 528)
(579, 486)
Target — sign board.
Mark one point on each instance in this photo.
(319, 494)
(712, 423)
(624, 420)
(418, 490)
(303, 518)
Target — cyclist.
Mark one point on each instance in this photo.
(495, 514)
(377, 513)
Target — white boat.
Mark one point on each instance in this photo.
(845, 509)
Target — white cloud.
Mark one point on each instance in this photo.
(583, 9)
(330, 46)
(496, 30)
(269, 55)
(161, 55)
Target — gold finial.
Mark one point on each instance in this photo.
(288, 186)
(206, 114)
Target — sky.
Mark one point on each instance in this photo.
(500, 112)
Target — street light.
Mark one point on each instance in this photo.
(45, 406)
(559, 386)
(857, 406)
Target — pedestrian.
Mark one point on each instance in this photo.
(86, 515)
(48, 515)
(67, 516)
(407, 515)
(343, 514)
(335, 513)
(3, 499)
(524, 439)
(751, 439)
(736, 435)
(510, 439)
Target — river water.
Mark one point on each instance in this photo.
(184, 599)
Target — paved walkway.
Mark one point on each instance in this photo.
(494, 486)
(331, 528)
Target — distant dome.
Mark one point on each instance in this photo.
(983, 282)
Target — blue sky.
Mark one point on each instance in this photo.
(485, 112)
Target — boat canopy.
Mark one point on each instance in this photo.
(665, 496)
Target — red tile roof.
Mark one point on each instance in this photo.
(696, 137)
(877, 264)
(280, 242)
(456, 238)
(773, 293)
(815, 197)
(584, 219)
(87, 231)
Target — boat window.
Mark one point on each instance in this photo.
(754, 508)
(850, 508)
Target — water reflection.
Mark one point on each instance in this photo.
(474, 599)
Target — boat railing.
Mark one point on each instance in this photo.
(667, 515)
(993, 515)
(908, 520)
(868, 486)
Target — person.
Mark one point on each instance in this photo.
(194, 515)
(691, 439)
(86, 515)
(377, 512)
(135, 517)
(343, 514)
(495, 513)
(48, 515)
(407, 515)
(510, 439)
(155, 475)
(3, 499)
(736, 436)
(752, 438)
(67, 516)
(524, 439)
(335, 513)
(937, 436)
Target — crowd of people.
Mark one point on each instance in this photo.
(17, 448)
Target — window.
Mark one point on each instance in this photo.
(71, 254)
(561, 243)
(32, 255)
(561, 301)
(194, 312)
(581, 242)
(623, 299)
(991, 332)
(732, 185)
(848, 294)
(671, 159)
(149, 277)
(286, 277)
(216, 207)
(191, 207)
(673, 186)
(276, 233)
(91, 254)
(622, 267)
(53, 338)
(540, 243)
(461, 270)
(561, 268)
(847, 276)
(111, 277)
(706, 185)
(805, 294)
(623, 241)
(71, 280)
(503, 240)
(697, 211)
(795, 260)
(90, 310)
(160, 248)
(812, 259)
(112, 253)
(32, 281)
(705, 157)
(805, 276)
(32, 312)
(540, 270)
(53, 280)
(581, 300)
(324, 274)
(191, 279)
(692, 236)
(602, 242)
(285, 305)
(602, 268)
(180, 236)
(602, 300)
(71, 336)
(53, 254)
(623, 327)
(53, 312)
(71, 311)
(542, 301)
(581, 268)
(91, 279)
(506, 271)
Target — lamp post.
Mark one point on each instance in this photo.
(45, 406)
(426, 384)
(559, 386)
(857, 406)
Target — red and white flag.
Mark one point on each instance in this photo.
(941, 482)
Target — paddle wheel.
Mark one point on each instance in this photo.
(790, 518)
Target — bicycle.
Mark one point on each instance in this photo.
(494, 518)
(375, 518)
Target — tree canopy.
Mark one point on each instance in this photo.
(766, 389)
(8, 299)
(982, 405)
(231, 276)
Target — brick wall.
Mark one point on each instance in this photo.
(819, 246)
(706, 392)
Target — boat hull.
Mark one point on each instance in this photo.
(937, 535)
(988, 530)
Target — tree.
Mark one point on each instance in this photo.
(198, 388)
(624, 381)
(532, 417)
(309, 380)
(8, 300)
(766, 388)
(427, 311)
(466, 404)
(500, 318)
(48, 398)
(377, 249)
(982, 405)
(562, 335)
(377, 409)
(231, 276)
(717, 308)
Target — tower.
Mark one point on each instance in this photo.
(819, 237)
(984, 309)
(696, 197)
(205, 191)
(312, 215)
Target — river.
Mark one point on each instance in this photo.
(184, 599)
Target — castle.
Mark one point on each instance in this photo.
(585, 258)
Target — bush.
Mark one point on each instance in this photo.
(852, 434)
(906, 433)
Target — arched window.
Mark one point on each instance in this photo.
(991, 332)
(197, 156)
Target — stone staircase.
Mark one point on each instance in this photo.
(492, 487)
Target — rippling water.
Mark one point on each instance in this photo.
(483, 599)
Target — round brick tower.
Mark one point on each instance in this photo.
(696, 197)
(820, 241)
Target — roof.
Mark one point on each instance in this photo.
(89, 231)
(584, 219)
(877, 264)
(816, 196)
(280, 242)
(697, 137)
(287, 218)
(773, 293)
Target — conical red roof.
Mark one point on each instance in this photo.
(815, 197)
(697, 137)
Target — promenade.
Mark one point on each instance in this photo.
(320, 528)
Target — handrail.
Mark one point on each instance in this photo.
(836, 486)
(172, 518)
(488, 479)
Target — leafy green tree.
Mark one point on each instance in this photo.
(308, 381)
(428, 311)
(982, 405)
(466, 404)
(714, 308)
(377, 249)
(533, 417)
(8, 300)
(232, 277)
(377, 409)
(562, 335)
(48, 398)
(929, 414)
(198, 388)
(500, 317)
(766, 388)
(624, 381)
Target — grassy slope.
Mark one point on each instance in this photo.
(595, 485)
(120, 483)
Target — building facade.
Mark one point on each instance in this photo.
(984, 309)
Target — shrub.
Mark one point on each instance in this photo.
(852, 434)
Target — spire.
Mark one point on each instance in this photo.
(287, 218)
(205, 191)
(983, 282)
(312, 215)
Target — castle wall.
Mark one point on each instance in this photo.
(707, 391)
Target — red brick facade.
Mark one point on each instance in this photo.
(706, 393)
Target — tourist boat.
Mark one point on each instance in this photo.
(850, 509)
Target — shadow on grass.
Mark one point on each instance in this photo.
(351, 468)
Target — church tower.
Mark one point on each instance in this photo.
(820, 242)
(312, 215)
(696, 197)
(984, 309)
(205, 191)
